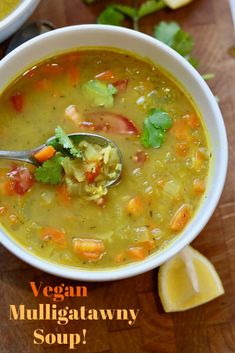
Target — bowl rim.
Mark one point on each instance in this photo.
(151, 261)
(19, 9)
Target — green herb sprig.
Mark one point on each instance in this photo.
(155, 128)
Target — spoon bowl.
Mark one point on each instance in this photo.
(28, 155)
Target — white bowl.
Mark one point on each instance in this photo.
(69, 38)
(15, 19)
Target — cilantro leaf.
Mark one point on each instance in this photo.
(193, 61)
(150, 6)
(172, 34)
(183, 43)
(99, 93)
(160, 119)
(155, 126)
(66, 142)
(110, 16)
(126, 10)
(165, 32)
(51, 171)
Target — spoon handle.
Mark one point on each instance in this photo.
(23, 156)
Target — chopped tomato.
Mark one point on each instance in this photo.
(121, 85)
(21, 180)
(91, 175)
(140, 157)
(17, 102)
(110, 122)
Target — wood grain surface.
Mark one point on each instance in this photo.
(206, 329)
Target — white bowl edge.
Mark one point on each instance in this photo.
(125, 39)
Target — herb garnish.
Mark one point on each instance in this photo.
(99, 93)
(51, 171)
(66, 143)
(155, 127)
(169, 33)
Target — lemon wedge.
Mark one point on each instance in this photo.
(187, 280)
(175, 4)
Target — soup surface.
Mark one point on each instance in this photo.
(6, 7)
(165, 159)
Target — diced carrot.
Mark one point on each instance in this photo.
(73, 114)
(135, 206)
(120, 257)
(105, 76)
(54, 235)
(181, 130)
(192, 120)
(148, 244)
(63, 194)
(3, 210)
(198, 186)
(180, 218)
(137, 252)
(202, 154)
(43, 85)
(8, 188)
(17, 102)
(52, 69)
(44, 154)
(73, 74)
(89, 249)
(181, 149)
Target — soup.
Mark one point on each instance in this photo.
(150, 118)
(7, 6)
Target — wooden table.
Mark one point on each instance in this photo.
(207, 329)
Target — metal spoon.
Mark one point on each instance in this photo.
(29, 31)
(28, 155)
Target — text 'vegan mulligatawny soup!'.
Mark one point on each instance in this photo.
(62, 210)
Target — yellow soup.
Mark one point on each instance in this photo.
(165, 159)
(7, 6)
